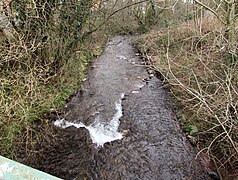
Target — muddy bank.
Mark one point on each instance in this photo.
(151, 145)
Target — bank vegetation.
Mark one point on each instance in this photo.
(45, 46)
(197, 56)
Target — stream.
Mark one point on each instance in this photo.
(121, 125)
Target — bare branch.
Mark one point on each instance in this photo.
(211, 10)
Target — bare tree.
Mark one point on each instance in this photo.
(226, 12)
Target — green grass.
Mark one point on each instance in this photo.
(24, 98)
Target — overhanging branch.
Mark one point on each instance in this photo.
(112, 14)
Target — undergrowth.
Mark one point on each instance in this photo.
(44, 51)
(203, 80)
(42, 62)
(26, 94)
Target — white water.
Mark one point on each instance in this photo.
(100, 132)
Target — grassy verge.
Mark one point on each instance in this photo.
(203, 80)
(43, 58)
(29, 90)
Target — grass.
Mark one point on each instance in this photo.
(29, 89)
(40, 68)
(38, 76)
(203, 83)
(26, 99)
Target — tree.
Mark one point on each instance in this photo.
(226, 12)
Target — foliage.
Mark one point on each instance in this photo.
(203, 83)
(197, 56)
(40, 63)
(48, 43)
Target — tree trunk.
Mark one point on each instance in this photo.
(230, 26)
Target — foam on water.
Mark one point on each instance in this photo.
(100, 132)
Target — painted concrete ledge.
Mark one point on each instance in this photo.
(12, 170)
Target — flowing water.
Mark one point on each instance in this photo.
(121, 125)
(98, 107)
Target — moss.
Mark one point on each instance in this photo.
(24, 99)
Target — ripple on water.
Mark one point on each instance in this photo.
(100, 131)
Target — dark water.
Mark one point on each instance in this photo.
(153, 145)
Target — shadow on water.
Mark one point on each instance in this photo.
(147, 144)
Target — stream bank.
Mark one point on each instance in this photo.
(120, 125)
